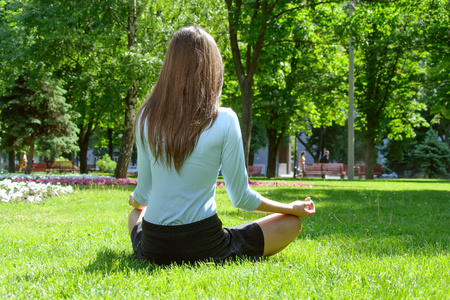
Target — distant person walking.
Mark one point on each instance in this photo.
(23, 161)
(326, 158)
(302, 162)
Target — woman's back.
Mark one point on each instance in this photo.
(188, 195)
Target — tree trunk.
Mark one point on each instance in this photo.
(370, 157)
(110, 142)
(12, 161)
(83, 143)
(83, 159)
(246, 119)
(251, 159)
(295, 158)
(274, 139)
(126, 146)
(272, 160)
(30, 155)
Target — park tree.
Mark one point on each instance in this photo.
(322, 84)
(108, 53)
(249, 26)
(276, 103)
(300, 93)
(33, 107)
(434, 19)
(34, 111)
(48, 37)
(399, 153)
(389, 73)
(130, 28)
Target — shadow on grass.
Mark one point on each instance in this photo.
(110, 261)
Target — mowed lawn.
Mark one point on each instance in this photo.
(368, 239)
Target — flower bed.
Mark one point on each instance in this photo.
(67, 180)
(270, 184)
(30, 191)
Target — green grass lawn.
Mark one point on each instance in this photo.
(368, 239)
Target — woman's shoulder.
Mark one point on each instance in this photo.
(227, 116)
(227, 111)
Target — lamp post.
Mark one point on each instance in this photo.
(351, 103)
(295, 155)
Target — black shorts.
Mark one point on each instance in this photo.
(204, 240)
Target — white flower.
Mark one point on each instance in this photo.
(32, 192)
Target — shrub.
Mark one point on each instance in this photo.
(106, 165)
(432, 156)
(63, 163)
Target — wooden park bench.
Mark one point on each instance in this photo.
(313, 169)
(325, 169)
(254, 170)
(333, 169)
(39, 167)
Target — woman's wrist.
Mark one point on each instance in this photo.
(297, 208)
(270, 206)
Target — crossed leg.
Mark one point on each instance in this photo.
(279, 230)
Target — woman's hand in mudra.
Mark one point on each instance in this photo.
(303, 208)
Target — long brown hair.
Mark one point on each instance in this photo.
(185, 98)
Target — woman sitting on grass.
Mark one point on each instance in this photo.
(183, 138)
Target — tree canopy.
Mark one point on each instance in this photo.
(286, 64)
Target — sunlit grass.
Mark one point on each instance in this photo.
(368, 239)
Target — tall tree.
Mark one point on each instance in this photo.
(388, 72)
(131, 97)
(276, 102)
(96, 48)
(34, 111)
(249, 24)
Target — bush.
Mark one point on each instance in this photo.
(106, 165)
(433, 156)
(61, 159)
(62, 162)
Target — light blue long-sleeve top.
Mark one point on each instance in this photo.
(175, 199)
